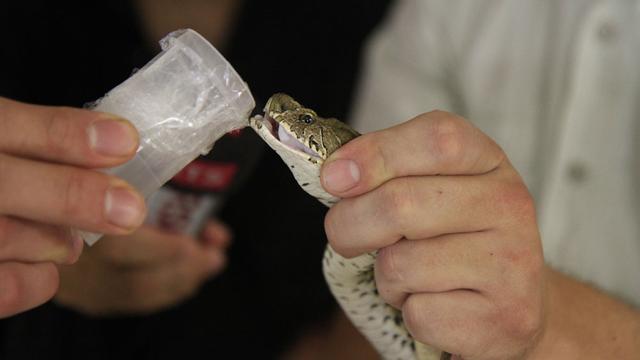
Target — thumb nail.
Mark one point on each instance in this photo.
(340, 175)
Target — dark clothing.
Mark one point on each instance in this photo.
(70, 53)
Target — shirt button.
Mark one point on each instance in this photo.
(607, 32)
(577, 172)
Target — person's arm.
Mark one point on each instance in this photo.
(459, 251)
(584, 323)
(48, 190)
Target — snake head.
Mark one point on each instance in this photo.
(302, 129)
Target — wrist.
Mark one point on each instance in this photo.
(582, 322)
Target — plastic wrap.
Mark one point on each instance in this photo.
(181, 102)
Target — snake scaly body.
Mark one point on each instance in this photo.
(304, 140)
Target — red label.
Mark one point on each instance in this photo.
(206, 175)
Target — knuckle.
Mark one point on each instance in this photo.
(521, 319)
(387, 265)
(445, 133)
(514, 199)
(74, 195)
(520, 309)
(389, 279)
(59, 132)
(396, 197)
(529, 326)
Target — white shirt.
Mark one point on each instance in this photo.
(557, 84)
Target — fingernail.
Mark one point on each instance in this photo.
(340, 175)
(124, 208)
(112, 137)
(77, 244)
(76, 240)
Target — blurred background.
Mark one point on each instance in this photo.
(272, 295)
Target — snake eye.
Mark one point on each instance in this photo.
(306, 118)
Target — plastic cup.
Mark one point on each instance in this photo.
(181, 103)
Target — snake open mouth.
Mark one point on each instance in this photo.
(283, 136)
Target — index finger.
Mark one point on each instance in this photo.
(65, 135)
(435, 143)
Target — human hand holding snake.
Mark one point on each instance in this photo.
(454, 225)
(435, 207)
